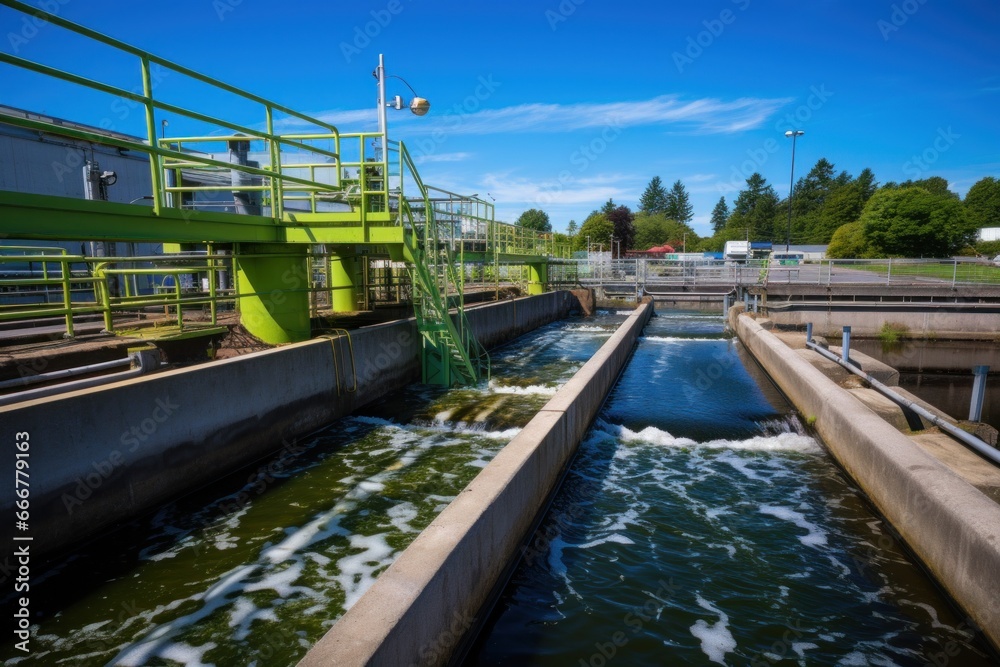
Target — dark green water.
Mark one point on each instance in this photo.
(698, 525)
(254, 570)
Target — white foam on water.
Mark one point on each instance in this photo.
(530, 390)
(187, 655)
(742, 466)
(323, 526)
(401, 515)
(614, 538)
(854, 659)
(678, 339)
(800, 648)
(158, 641)
(591, 328)
(716, 639)
(781, 442)
(654, 436)
(815, 537)
(357, 572)
(281, 582)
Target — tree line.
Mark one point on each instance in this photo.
(855, 215)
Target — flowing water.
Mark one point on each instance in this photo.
(697, 524)
(255, 569)
(700, 524)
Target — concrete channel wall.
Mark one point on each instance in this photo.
(419, 609)
(102, 456)
(970, 321)
(949, 524)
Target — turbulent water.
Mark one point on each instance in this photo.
(700, 525)
(256, 569)
(697, 525)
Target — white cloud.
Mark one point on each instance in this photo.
(441, 157)
(700, 116)
(519, 190)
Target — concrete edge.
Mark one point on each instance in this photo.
(418, 610)
(950, 525)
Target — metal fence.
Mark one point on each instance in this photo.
(665, 273)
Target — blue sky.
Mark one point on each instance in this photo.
(560, 105)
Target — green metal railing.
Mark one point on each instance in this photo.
(297, 186)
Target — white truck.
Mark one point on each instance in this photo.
(736, 251)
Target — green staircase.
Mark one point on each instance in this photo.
(451, 355)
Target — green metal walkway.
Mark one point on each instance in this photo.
(357, 194)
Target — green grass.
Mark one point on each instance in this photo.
(967, 272)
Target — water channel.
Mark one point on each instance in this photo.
(698, 524)
(255, 569)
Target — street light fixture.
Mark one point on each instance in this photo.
(418, 105)
(794, 134)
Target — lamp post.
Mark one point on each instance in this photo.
(794, 134)
(418, 105)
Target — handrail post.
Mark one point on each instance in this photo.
(978, 393)
(212, 278)
(888, 273)
(277, 193)
(67, 296)
(954, 272)
(177, 293)
(155, 161)
(104, 295)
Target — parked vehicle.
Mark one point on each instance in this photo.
(736, 251)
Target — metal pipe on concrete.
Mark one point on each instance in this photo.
(143, 361)
(65, 373)
(972, 441)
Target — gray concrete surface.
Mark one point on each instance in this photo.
(949, 524)
(101, 456)
(419, 609)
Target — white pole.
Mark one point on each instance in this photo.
(382, 115)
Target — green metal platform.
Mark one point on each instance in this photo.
(356, 194)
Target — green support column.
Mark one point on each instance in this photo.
(273, 288)
(345, 280)
(538, 278)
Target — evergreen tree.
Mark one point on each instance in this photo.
(622, 219)
(720, 215)
(679, 204)
(609, 207)
(754, 210)
(654, 199)
(571, 228)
